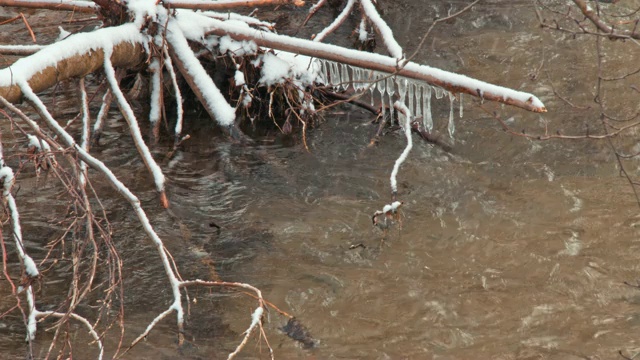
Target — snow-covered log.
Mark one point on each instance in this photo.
(74, 57)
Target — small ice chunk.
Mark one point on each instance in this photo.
(439, 92)
(63, 34)
(381, 84)
(426, 104)
(402, 88)
(344, 76)
(411, 94)
(418, 100)
(452, 125)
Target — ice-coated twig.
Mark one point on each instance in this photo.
(256, 319)
(395, 50)
(156, 97)
(247, 19)
(84, 321)
(256, 316)
(313, 9)
(336, 22)
(134, 129)
(406, 127)
(20, 50)
(31, 270)
(86, 130)
(114, 181)
(168, 64)
(150, 327)
(102, 114)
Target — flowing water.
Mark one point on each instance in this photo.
(508, 249)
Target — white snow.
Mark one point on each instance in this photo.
(363, 35)
(282, 65)
(168, 64)
(223, 112)
(63, 34)
(36, 143)
(7, 178)
(267, 26)
(274, 70)
(385, 32)
(154, 112)
(255, 317)
(238, 48)
(238, 78)
(30, 266)
(401, 107)
(393, 207)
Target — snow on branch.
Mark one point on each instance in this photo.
(134, 128)
(20, 50)
(336, 22)
(385, 32)
(197, 77)
(227, 4)
(69, 5)
(455, 83)
(406, 127)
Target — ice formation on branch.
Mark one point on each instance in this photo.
(416, 96)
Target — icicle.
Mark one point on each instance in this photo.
(345, 77)
(427, 120)
(452, 125)
(354, 78)
(411, 95)
(418, 100)
(372, 86)
(391, 90)
(402, 88)
(325, 72)
(339, 83)
(461, 106)
(439, 92)
(335, 77)
(381, 84)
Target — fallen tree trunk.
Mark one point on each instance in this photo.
(125, 55)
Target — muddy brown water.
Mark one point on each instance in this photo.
(509, 248)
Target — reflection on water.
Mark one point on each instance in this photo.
(509, 249)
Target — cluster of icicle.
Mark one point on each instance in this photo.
(416, 95)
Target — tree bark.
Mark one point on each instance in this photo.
(125, 55)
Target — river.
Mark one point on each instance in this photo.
(509, 248)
